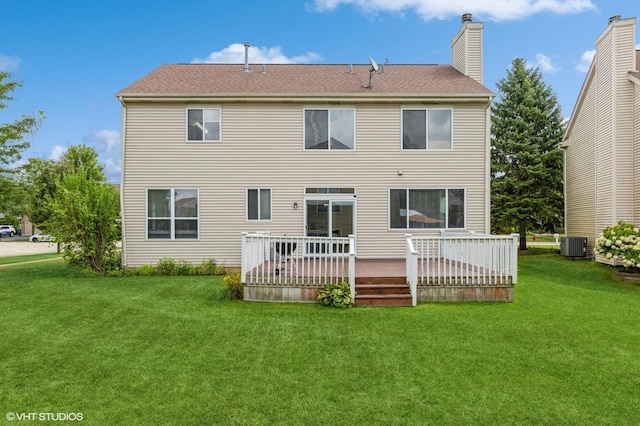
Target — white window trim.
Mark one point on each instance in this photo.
(173, 218)
(421, 108)
(246, 204)
(318, 108)
(446, 189)
(201, 107)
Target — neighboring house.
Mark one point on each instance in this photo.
(602, 141)
(27, 227)
(214, 150)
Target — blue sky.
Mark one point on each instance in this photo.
(72, 57)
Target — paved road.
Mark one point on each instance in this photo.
(9, 247)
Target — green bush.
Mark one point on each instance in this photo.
(621, 242)
(233, 286)
(113, 264)
(206, 267)
(336, 295)
(209, 267)
(184, 267)
(145, 271)
(166, 266)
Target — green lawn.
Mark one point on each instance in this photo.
(169, 350)
(28, 258)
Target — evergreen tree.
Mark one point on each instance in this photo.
(526, 160)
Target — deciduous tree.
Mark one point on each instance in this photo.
(84, 218)
(13, 142)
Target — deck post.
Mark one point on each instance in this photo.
(243, 267)
(514, 257)
(412, 269)
(352, 267)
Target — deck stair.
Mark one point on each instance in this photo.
(382, 291)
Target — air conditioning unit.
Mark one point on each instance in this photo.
(573, 246)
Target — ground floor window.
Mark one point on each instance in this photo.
(259, 204)
(172, 213)
(427, 208)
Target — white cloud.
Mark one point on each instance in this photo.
(8, 64)
(545, 64)
(107, 144)
(112, 169)
(107, 140)
(234, 54)
(585, 60)
(57, 152)
(494, 10)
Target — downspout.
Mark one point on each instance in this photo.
(487, 212)
(122, 222)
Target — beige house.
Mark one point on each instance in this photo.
(373, 151)
(602, 141)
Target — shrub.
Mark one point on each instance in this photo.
(166, 266)
(206, 267)
(145, 271)
(209, 267)
(233, 286)
(621, 242)
(336, 295)
(184, 267)
(219, 270)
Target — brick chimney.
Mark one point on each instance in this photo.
(466, 48)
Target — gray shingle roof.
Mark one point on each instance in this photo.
(302, 80)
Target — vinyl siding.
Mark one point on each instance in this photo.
(636, 154)
(600, 156)
(459, 53)
(466, 50)
(605, 148)
(624, 62)
(262, 146)
(580, 180)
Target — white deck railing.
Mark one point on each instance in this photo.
(297, 261)
(469, 259)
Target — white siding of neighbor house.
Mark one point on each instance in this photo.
(624, 62)
(601, 139)
(636, 154)
(605, 134)
(262, 146)
(580, 181)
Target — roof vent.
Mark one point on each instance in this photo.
(350, 69)
(246, 56)
(467, 17)
(264, 68)
(615, 18)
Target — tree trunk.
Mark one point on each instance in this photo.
(523, 236)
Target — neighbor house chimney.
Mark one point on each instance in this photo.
(615, 18)
(246, 56)
(466, 48)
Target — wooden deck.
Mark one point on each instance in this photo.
(300, 281)
(336, 267)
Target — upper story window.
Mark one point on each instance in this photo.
(427, 208)
(329, 129)
(172, 213)
(427, 129)
(203, 124)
